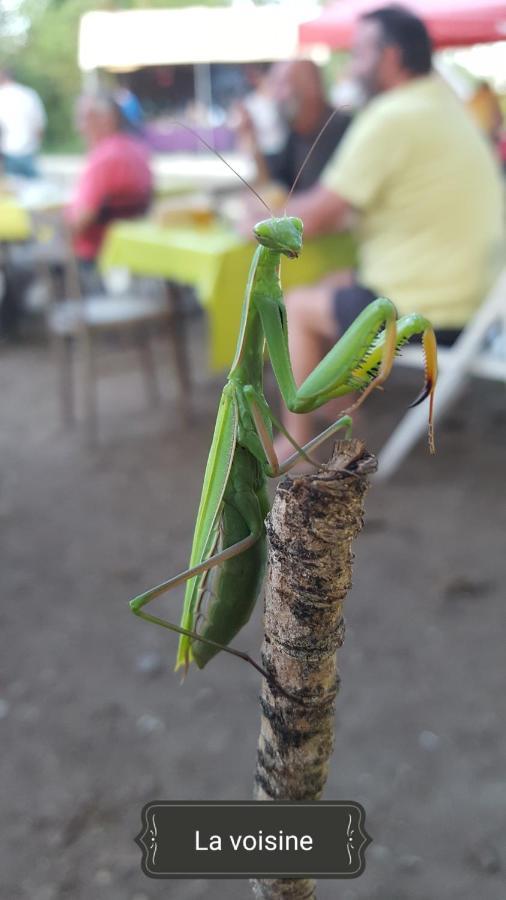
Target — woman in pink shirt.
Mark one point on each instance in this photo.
(116, 181)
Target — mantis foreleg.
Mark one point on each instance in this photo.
(333, 377)
(353, 361)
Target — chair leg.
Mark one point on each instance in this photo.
(65, 352)
(145, 347)
(90, 388)
(450, 383)
(178, 337)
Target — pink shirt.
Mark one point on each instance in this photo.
(116, 173)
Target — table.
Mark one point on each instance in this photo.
(15, 227)
(173, 172)
(17, 208)
(18, 205)
(215, 261)
(15, 224)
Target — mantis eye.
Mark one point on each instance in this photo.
(264, 233)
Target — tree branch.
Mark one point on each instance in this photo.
(311, 527)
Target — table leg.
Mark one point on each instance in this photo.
(10, 301)
(144, 337)
(179, 339)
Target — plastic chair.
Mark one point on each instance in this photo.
(471, 354)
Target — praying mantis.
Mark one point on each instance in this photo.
(229, 539)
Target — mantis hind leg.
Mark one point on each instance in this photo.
(194, 635)
(137, 604)
(234, 550)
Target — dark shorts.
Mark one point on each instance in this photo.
(348, 303)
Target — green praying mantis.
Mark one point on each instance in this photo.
(229, 536)
(230, 539)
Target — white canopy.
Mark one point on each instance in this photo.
(133, 38)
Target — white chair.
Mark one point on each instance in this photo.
(469, 355)
(75, 322)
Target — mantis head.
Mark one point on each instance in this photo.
(284, 235)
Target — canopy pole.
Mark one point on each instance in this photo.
(203, 89)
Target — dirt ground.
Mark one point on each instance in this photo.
(94, 723)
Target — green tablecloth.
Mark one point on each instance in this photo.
(215, 261)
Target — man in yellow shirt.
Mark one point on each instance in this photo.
(424, 189)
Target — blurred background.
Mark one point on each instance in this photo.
(124, 251)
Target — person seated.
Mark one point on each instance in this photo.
(297, 91)
(116, 182)
(426, 193)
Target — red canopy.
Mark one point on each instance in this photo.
(451, 23)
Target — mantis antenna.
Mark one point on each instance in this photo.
(213, 150)
(308, 154)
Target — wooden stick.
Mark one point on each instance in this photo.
(311, 527)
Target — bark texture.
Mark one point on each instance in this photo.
(310, 529)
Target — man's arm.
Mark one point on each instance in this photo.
(371, 151)
(322, 211)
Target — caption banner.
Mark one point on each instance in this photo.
(253, 839)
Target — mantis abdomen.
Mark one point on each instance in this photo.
(233, 588)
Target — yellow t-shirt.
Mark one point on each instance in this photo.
(430, 199)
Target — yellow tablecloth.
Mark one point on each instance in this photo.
(215, 261)
(15, 222)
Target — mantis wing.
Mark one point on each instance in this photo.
(216, 477)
